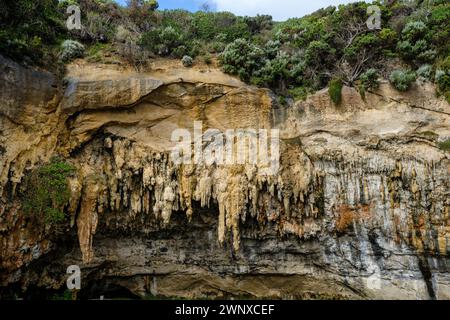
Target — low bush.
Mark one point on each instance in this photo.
(369, 79)
(71, 50)
(187, 61)
(47, 191)
(425, 71)
(402, 79)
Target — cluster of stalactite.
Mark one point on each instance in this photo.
(304, 198)
(119, 175)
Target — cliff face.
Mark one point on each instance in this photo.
(358, 209)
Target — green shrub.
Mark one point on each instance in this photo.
(444, 145)
(28, 29)
(162, 40)
(47, 191)
(241, 58)
(259, 23)
(70, 50)
(319, 53)
(299, 93)
(425, 71)
(274, 72)
(335, 90)
(414, 30)
(369, 79)
(187, 61)
(402, 79)
(207, 25)
(415, 45)
(442, 80)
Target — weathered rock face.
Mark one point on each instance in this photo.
(358, 209)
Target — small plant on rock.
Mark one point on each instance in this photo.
(335, 90)
(402, 79)
(71, 50)
(187, 61)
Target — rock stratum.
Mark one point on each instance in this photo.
(359, 208)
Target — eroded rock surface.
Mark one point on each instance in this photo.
(358, 209)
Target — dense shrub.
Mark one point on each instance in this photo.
(47, 191)
(259, 23)
(425, 71)
(162, 40)
(402, 79)
(442, 79)
(369, 79)
(274, 72)
(207, 25)
(335, 90)
(415, 45)
(70, 50)
(242, 58)
(28, 29)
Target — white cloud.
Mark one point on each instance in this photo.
(280, 10)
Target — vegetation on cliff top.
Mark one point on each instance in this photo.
(293, 57)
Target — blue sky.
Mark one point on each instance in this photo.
(279, 9)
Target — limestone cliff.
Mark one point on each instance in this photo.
(358, 209)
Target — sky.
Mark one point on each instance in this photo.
(280, 10)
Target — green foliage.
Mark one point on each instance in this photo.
(66, 295)
(439, 27)
(319, 53)
(70, 50)
(97, 27)
(415, 45)
(402, 79)
(259, 23)
(369, 79)
(444, 145)
(47, 191)
(242, 58)
(335, 90)
(425, 71)
(28, 29)
(207, 25)
(273, 72)
(299, 93)
(164, 41)
(414, 30)
(442, 77)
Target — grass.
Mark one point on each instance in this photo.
(335, 90)
(444, 145)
